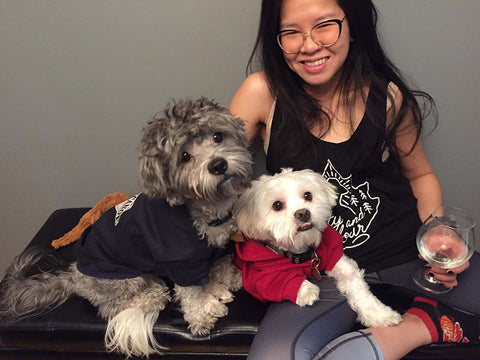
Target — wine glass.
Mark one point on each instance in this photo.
(447, 240)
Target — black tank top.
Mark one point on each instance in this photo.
(376, 211)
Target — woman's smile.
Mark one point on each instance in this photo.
(315, 65)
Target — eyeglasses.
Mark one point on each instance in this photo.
(324, 34)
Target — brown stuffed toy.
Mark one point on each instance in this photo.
(89, 218)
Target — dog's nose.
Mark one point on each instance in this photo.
(218, 166)
(302, 215)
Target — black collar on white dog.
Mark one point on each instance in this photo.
(218, 222)
(296, 258)
(300, 258)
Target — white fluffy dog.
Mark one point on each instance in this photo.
(288, 240)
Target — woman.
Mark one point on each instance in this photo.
(329, 99)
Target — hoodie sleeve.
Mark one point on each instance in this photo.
(274, 286)
(272, 279)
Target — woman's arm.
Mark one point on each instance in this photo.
(252, 103)
(413, 162)
(426, 189)
(425, 186)
(423, 181)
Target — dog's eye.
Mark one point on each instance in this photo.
(308, 196)
(218, 137)
(185, 157)
(277, 206)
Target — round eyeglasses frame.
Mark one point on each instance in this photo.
(337, 21)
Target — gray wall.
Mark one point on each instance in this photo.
(79, 79)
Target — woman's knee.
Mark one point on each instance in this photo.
(321, 331)
(289, 332)
(355, 345)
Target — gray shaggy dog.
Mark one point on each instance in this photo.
(193, 154)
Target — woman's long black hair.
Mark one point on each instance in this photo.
(365, 64)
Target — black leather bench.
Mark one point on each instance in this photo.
(73, 330)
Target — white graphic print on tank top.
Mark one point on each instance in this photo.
(359, 203)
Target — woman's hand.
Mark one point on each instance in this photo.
(448, 277)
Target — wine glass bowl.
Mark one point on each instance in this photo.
(446, 240)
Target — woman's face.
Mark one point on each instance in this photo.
(318, 66)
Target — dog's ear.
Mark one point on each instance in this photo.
(248, 210)
(152, 176)
(154, 179)
(154, 160)
(332, 193)
(327, 188)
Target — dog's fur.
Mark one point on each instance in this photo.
(281, 229)
(194, 153)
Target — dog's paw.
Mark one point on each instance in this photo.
(379, 315)
(214, 307)
(220, 292)
(202, 319)
(308, 293)
(200, 325)
(225, 272)
(236, 282)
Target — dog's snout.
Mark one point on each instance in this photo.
(302, 215)
(218, 166)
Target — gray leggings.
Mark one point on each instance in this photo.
(290, 332)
